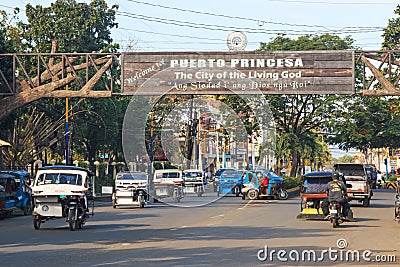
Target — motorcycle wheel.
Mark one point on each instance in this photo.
(36, 223)
(27, 210)
(366, 202)
(141, 202)
(237, 191)
(282, 194)
(396, 212)
(334, 223)
(73, 222)
(114, 205)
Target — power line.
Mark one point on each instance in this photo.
(260, 22)
(346, 30)
(173, 35)
(330, 3)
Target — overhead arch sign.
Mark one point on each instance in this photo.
(268, 72)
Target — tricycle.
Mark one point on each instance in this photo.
(194, 181)
(131, 188)
(15, 192)
(62, 192)
(313, 191)
(271, 186)
(168, 183)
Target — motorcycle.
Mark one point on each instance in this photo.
(335, 213)
(76, 212)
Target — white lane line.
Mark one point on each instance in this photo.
(247, 204)
(217, 216)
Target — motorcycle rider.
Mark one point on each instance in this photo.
(336, 191)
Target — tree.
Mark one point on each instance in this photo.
(366, 122)
(299, 116)
(68, 26)
(391, 34)
(76, 27)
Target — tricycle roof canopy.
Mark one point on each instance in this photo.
(64, 167)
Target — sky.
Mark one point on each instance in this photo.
(187, 25)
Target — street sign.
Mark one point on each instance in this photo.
(238, 72)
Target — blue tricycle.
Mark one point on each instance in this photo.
(15, 192)
(270, 186)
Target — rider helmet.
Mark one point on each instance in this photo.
(335, 176)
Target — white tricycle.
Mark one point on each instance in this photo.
(131, 188)
(62, 192)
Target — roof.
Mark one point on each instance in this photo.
(17, 172)
(64, 167)
(317, 174)
(193, 170)
(6, 176)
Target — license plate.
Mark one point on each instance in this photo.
(333, 211)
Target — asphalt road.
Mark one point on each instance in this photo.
(226, 232)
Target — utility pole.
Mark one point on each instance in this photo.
(66, 129)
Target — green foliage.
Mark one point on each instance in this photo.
(391, 34)
(83, 164)
(366, 122)
(291, 182)
(346, 159)
(309, 42)
(76, 27)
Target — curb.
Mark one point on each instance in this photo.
(293, 192)
(103, 198)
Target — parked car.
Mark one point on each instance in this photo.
(361, 186)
